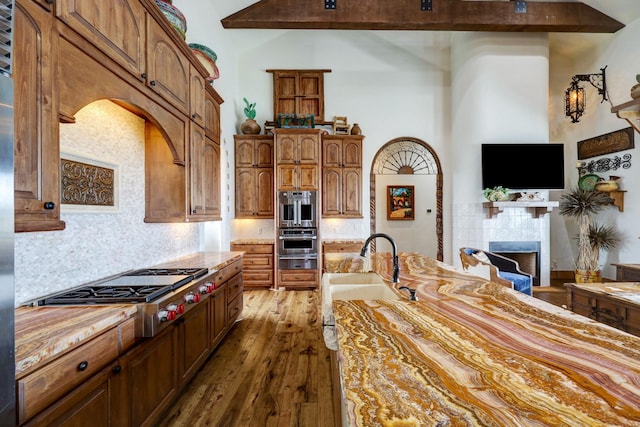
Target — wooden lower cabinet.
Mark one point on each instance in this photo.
(623, 315)
(134, 389)
(89, 405)
(293, 279)
(258, 262)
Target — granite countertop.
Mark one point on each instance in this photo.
(254, 241)
(42, 333)
(625, 291)
(475, 353)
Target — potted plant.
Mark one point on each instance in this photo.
(250, 126)
(582, 205)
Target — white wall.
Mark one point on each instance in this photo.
(621, 54)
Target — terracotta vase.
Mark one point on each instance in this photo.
(250, 127)
(588, 276)
(355, 129)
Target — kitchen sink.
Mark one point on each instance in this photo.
(349, 286)
(368, 278)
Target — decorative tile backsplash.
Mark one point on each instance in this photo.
(94, 244)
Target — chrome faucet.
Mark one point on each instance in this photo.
(396, 265)
(412, 293)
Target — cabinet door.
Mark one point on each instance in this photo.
(193, 341)
(117, 30)
(264, 192)
(308, 149)
(213, 205)
(204, 164)
(218, 315)
(308, 177)
(287, 149)
(287, 176)
(331, 191)
(264, 153)
(36, 130)
(91, 404)
(151, 379)
(245, 192)
(299, 92)
(244, 153)
(352, 153)
(351, 192)
(167, 67)
(212, 103)
(196, 97)
(331, 153)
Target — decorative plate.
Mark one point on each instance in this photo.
(175, 17)
(588, 182)
(208, 58)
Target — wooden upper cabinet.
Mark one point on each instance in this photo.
(342, 176)
(197, 84)
(36, 129)
(117, 30)
(212, 103)
(254, 176)
(167, 67)
(299, 92)
(297, 159)
(204, 174)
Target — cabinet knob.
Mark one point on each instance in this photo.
(50, 1)
(83, 365)
(49, 205)
(143, 75)
(116, 369)
(193, 116)
(152, 82)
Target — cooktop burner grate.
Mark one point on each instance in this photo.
(108, 294)
(193, 272)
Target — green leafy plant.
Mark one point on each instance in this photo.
(496, 194)
(250, 109)
(582, 205)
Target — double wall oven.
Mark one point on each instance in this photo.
(297, 230)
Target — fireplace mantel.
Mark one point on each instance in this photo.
(537, 209)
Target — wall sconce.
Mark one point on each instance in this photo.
(574, 96)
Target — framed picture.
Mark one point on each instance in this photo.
(400, 202)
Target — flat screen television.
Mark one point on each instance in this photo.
(523, 166)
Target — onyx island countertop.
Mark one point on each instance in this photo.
(43, 333)
(474, 353)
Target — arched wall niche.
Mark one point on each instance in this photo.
(407, 155)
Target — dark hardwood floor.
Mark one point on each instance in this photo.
(273, 368)
(555, 294)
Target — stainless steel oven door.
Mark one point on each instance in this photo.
(298, 241)
(297, 208)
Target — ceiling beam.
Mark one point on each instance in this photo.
(445, 15)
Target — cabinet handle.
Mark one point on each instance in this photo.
(152, 82)
(50, 1)
(116, 369)
(193, 116)
(49, 205)
(83, 365)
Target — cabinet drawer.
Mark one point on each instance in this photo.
(298, 278)
(257, 277)
(579, 298)
(234, 308)
(44, 386)
(253, 249)
(342, 247)
(227, 272)
(258, 263)
(234, 287)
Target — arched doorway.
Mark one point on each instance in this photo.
(408, 156)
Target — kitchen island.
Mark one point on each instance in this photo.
(474, 353)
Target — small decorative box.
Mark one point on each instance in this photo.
(295, 121)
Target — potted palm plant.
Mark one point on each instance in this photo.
(582, 205)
